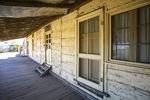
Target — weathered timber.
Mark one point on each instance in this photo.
(34, 4)
(43, 69)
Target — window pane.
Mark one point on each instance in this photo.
(123, 52)
(148, 14)
(93, 30)
(149, 53)
(94, 43)
(46, 41)
(142, 56)
(127, 36)
(114, 37)
(83, 37)
(46, 36)
(120, 37)
(49, 35)
(83, 27)
(83, 68)
(94, 71)
(148, 33)
(49, 40)
(114, 51)
(93, 25)
(142, 34)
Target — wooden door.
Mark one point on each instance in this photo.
(48, 48)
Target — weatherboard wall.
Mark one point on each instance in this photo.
(121, 81)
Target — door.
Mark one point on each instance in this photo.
(48, 45)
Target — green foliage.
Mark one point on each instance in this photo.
(1, 51)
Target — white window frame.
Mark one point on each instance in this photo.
(116, 11)
(92, 56)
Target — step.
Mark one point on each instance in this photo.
(44, 67)
(46, 71)
(40, 70)
(47, 65)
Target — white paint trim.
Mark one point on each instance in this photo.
(128, 7)
(92, 56)
(89, 83)
(90, 15)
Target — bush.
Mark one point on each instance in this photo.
(1, 51)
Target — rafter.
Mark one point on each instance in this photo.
(35, 4)
(78, 4)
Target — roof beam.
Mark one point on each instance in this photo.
(78, 4)
(34, 4)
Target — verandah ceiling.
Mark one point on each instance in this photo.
(18, 18)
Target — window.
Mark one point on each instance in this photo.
(48, 41)
(89, 69)
(90, 50)
(131, 35)
(89, 44)
(89, 36)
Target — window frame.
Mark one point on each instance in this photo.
(99, 57)
(116, 11)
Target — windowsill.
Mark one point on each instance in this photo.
(90, 89)
(127, 63)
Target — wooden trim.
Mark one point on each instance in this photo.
(101, 42)
(128, 63)
(106, 49)
(99, 93)
(90, 15)
(110, 35)
(94, 57)
(89, 83)
(128, 7)
(76, 49)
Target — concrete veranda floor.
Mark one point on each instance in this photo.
(19, 81)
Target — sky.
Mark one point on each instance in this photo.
(18, 41)
(6, 43)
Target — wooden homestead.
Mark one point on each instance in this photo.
(101, 48)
